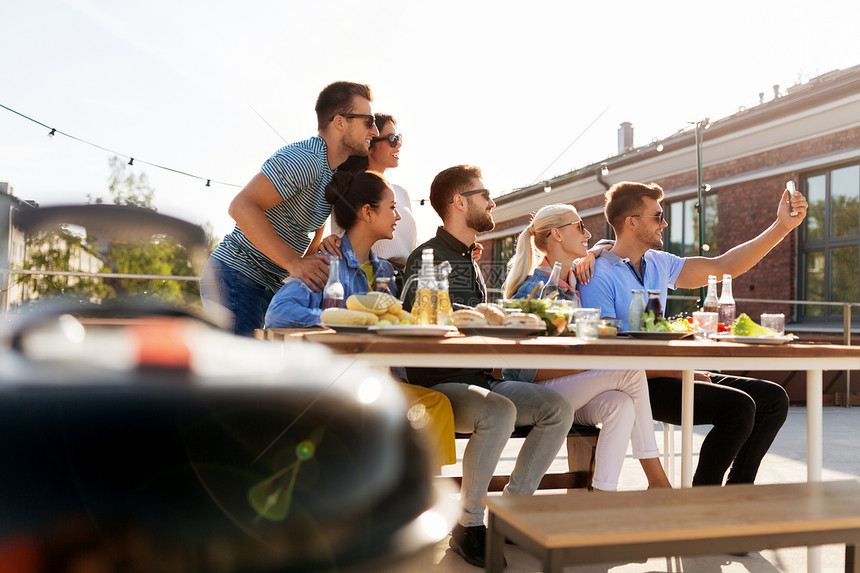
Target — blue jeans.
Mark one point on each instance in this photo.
(490, 416)
(223, 288)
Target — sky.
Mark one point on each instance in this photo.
(214, 88)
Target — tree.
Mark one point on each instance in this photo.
(63, 249)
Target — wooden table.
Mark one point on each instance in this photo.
(617, 354)
(584, 527)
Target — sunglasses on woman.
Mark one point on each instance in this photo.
(394, 139)
(580, 224)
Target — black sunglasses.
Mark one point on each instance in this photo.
(393, 140)
(369, 119)
(580, 224)
(659, 216)
(472, 192)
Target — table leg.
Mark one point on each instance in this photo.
(814, 447)
(495, 547)
(687, 428)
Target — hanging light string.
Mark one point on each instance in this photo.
(54, 131)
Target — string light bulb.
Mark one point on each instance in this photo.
(604, 169)
(207, 182)
(131, 161)
(547, 187)
(53, 132)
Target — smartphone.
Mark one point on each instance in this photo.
(793, 190)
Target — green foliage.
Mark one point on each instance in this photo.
(62, 250)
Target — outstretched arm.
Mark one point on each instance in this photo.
(741, 258)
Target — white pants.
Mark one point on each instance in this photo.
(617, 399)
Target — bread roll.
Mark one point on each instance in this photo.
(348, 317)
(524, 320)
(493, 314)
(468, 318)
(378, 303)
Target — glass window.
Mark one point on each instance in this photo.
(830, 249)
(683, 240)
(844, 201)
(495, 275)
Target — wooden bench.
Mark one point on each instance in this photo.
(587, 527)
(581, 447)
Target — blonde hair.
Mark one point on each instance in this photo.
(531, 244)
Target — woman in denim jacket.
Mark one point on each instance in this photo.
(364, 205)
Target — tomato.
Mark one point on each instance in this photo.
(722, 328)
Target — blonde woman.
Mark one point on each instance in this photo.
(617, 399)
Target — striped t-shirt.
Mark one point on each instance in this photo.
(300, 173)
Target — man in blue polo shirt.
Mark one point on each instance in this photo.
(746, 413)
(283, 209)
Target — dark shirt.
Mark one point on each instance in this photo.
(465, 286)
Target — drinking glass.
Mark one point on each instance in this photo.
(705, 325)
(775, 322)
(586, 320)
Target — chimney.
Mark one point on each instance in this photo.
(625, 137)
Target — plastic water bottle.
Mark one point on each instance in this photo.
(637, 308)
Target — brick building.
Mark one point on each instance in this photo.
(811, 135)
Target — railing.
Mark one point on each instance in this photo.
(846, 320)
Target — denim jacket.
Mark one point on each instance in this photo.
(296, 306)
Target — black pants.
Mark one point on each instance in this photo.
(746, 414)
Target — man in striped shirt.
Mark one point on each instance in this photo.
(283, 208)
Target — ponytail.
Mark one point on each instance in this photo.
(521, 264)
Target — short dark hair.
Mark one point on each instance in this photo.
(336, 99)
(382, 119)
(349, 192)
(625, 198)
(450, 182)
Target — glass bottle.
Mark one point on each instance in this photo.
(425, 298)
(727, 303)
(637, 307)
(710, 303)
(653, 304)
(550, 289)
(444, 311)
(333, 291)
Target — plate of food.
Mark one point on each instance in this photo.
(413, 330)
(755, 339)
(489, 320)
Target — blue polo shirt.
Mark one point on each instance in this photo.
(611, 287)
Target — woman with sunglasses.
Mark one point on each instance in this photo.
(617, 399)
(384, 154)
(364, 204)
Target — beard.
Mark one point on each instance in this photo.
(649, 239)
(354, 146)
(479, 219)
